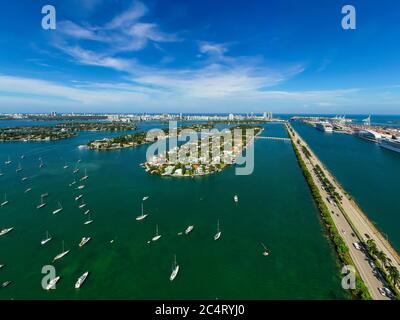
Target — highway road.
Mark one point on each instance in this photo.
(344, 223)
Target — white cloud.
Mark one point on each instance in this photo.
(136, 11)
(88, 57)
(150, 31)
(238, 95)
(213, 48)
(124, 33)
(76, 31)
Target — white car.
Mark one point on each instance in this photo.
(357, 245)
(386, 292)
(372, 264)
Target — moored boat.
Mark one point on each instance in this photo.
(175, 270)
(52, 283)
(189, 229)
(47, 239)
(84, 241)
(5, 231)
(5, 202)
(218, 234)
(81, 280)
(157, 236)
(392, 144)
(62, 254)
(60, 208)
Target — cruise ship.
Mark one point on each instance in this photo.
(368, 135)
(324, 126)
(390, 143)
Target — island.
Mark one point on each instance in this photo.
(209, 159)
(97, 126)
(139, 138)
(58, 131)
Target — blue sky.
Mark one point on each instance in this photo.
(284, 56)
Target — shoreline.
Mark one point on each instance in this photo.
(212, 168)
(366, 283)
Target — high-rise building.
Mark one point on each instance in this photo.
(267, 115)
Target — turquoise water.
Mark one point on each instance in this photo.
(275, 207)
(368, 172)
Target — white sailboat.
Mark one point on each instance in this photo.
(218, 234)
(42, 203)
(157, 236)
(72, 183)
(175, 270)
(41, 164)
(78, 197)
(60, 208)
(85, 177)
(5, 202)
(47, 239)
(89, 220)
(265, 252)
(236, 198)
(19, 168)
(5, 231)
(8, 162)
(81, 280)
(66, 166)
(24, 179)
(142, 216)
(87, 211)
(76, 170)
(84, 241)
(80, 187)
(52, 283)
(82, 205)
(1, 173)
(28, 190)
(62, 254)
(189, 229)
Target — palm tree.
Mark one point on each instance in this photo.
(394, 274)
(372, 247)
(382, 257)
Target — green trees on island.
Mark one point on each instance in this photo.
(384, 265)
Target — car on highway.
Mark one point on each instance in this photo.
(386, 292)
(357, 245)
(372, 264)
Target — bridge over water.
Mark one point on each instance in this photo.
(273, 138)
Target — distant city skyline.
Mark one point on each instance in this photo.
(285, 57)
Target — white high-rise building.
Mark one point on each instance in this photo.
(267, 115)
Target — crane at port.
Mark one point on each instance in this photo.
(367, 121)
